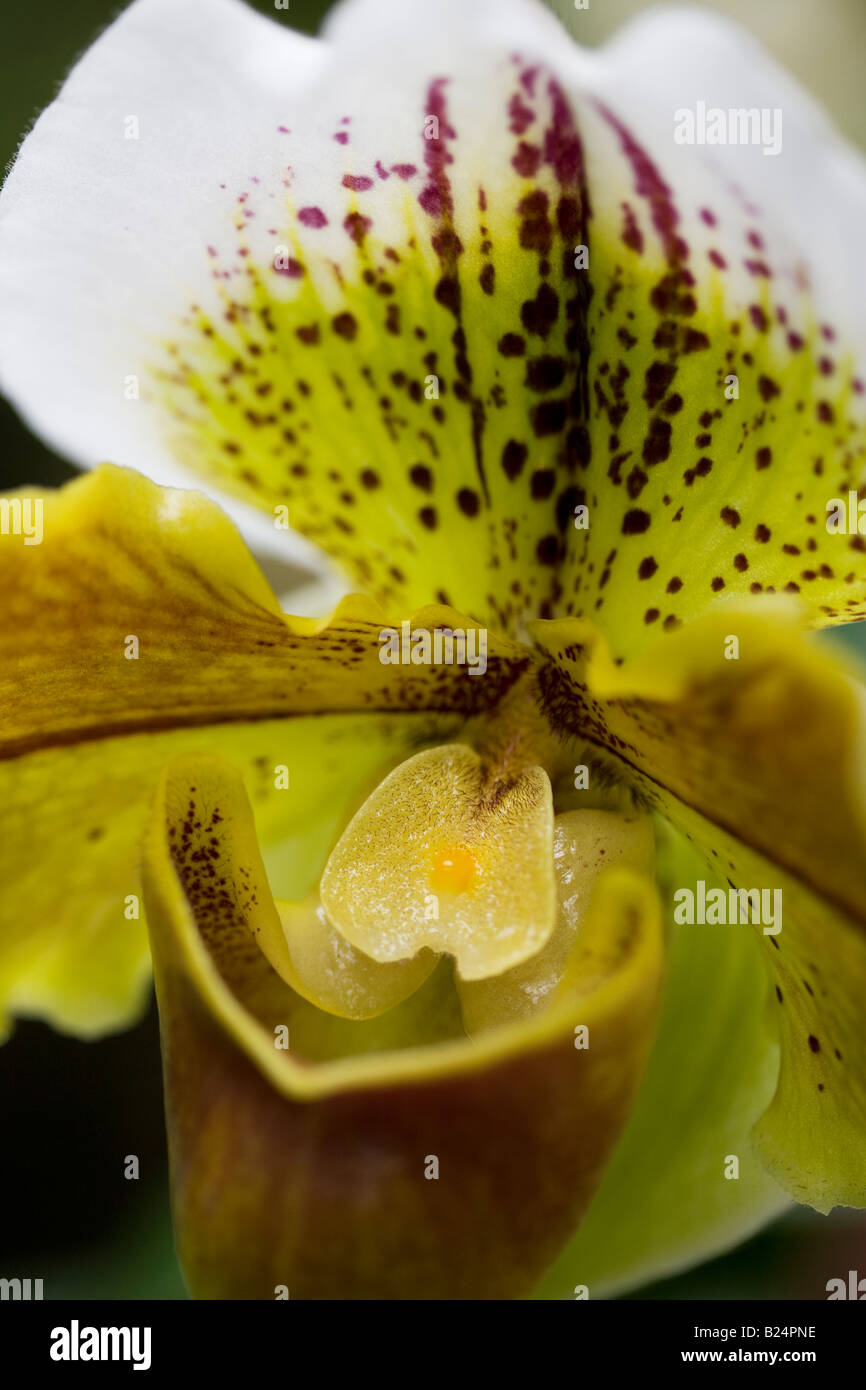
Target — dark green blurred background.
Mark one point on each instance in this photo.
(71, 1111)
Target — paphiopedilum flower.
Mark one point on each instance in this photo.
(449, 289)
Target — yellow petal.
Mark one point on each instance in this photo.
(752, 742)
(141, 627)
(143, 609)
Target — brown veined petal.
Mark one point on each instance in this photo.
(143, 609)
(139, 627)
(752, 742)
(303, 1170)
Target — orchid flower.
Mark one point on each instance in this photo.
(445, 292)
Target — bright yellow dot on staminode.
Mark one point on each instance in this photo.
(453, 869)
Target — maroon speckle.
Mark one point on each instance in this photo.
(635, 522)
(568, 218)
(562, 147)
(356, 226)
(536, 232)
(447, 293)
(293, 269)
(767, 388)
(358, 183)
(346, 325)
(447, 244)
(658, 378)
(526, 160)
(695, 341)
(404, 171)
(513, 458)
(511, 345)
(545, 373)
(657, 445)
(468, 501)
(649, 184)
(342, 137)
(547, 550)
(708, 217)
(548, 418)
(527, 80)
(430, 199)
(631, 232)
(312, 217)
(538, 315)
(521, 115)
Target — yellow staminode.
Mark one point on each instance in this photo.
(446, 856)
(454, 870)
